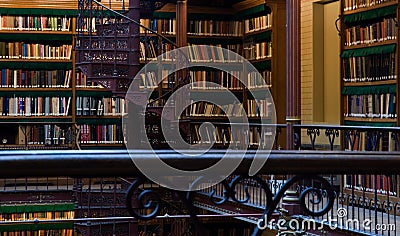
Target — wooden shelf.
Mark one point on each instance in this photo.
(99, 117)
(367, 45)
(215, 36)
(260, 60)
(364, 9)
(382, 82)
(25, 31)
(35, 89)
(34, 146)
(205, 90)
(359, 119)
(262, 31)
(34, 117)
(25, 60)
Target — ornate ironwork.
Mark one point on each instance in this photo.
(108, 41)
(105, 44)
(331, 134)
(146, 204)
(313, 133)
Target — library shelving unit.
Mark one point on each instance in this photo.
(37, 79)
(369, 80)
(24, 212)
(37, 100)
(252, 29)
(98, 116)
(98, 108)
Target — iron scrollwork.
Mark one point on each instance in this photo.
(148, 199)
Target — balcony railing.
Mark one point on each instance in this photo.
(134, 203)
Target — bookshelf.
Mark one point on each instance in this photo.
(369, 83)
(37, 79)
(252, 29)
(31, 212)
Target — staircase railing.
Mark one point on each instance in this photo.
(110, 42)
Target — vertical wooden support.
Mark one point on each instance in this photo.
(293, 107)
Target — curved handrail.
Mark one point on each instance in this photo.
(165, 39)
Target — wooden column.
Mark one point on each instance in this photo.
(181, 75)
(181, 23)
(134, 118)
(134, 40)
(293, 112)
(293, 106)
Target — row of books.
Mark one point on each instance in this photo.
(83, 82)
(148, 80)
(41, 232)
(383, 184)
(88, 25)
(217, 79)
(34, 106)
(261, 79)
(167, 26)
(203, 27)
(37, 215)
(45, 135)
(373, 32)
(257, 51)
(16, 50)
(149, 23)
(370, 106)
(101, 134)
(209, 110)
(226, 135)
(259, 108)
(368, 141)
(35, 23)
(349, 5)
(369, 68)
(96, 106)
(35, 78)
(148, 50)
(204, 53)
(258, 23)
(91, 24)
(168, 79)
(236, 48)
(214, 28)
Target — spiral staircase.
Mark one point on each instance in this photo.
(108, 53)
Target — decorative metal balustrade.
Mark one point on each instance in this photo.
(125, 206)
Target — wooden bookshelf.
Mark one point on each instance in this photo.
(246, 12)
(369, 81)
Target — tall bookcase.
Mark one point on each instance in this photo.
(369, 81)
(37, 77)
(253, 29)
(44, 103)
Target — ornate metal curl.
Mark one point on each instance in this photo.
(272, 205)
(313, 133)
(332, 134)
(149, 199)
(143, 200)
(230, 193)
